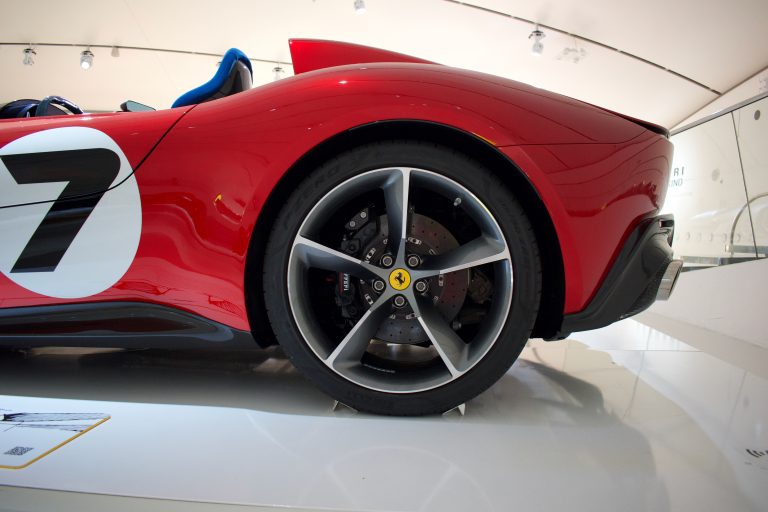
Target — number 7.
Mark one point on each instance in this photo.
(89, 173)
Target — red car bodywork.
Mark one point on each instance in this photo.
(206, 172)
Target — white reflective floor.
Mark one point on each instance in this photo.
(623, 418)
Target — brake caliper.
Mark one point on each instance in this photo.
(360, 230)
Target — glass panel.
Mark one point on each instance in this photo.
(752, 131)
(706, 193)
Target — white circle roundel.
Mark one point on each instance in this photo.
(68, 248)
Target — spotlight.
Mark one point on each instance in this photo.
(278, 71)
(86, 59)
(115, 51)
(537, 35)
(359, 6)
(29, 56)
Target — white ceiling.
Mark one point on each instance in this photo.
(714, 42)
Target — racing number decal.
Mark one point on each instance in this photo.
(70, 212)
(89, 172)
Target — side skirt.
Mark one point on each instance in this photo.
(116, 325)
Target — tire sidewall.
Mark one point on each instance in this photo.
(491, 192)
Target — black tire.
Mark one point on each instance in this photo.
(509, 216)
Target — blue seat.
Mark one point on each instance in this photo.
(234, 75)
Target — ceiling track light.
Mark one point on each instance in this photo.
(115, 51)
(359, 6)
(278, 72)
(537, 35)
(86, 59)
(29, 56)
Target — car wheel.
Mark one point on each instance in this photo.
(402, 278)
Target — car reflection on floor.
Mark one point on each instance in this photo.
(566, 427)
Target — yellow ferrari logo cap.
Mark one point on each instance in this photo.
(399, 279)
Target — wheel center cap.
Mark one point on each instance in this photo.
(399, 279)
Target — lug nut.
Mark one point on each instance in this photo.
(399, 301)
(421, 286)
(387, 260)
(379, 285)
(413, 261)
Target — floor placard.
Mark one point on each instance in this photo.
(28, 435)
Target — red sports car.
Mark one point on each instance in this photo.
(399, 227)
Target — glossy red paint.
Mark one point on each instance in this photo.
(595, 195)
(136, 133)
(206, 183)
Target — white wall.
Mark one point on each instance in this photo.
(730, 299)
(750, 88)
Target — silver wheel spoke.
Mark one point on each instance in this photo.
(451, 348)
(396, 190)
(383, 350)
(316, 255)
(481, 250)
(351, 349)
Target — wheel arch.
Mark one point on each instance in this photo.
(550, 314)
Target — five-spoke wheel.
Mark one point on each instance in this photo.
(410, 282)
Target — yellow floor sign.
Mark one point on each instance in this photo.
(28, 436)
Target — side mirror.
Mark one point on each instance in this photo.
(135, 106)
